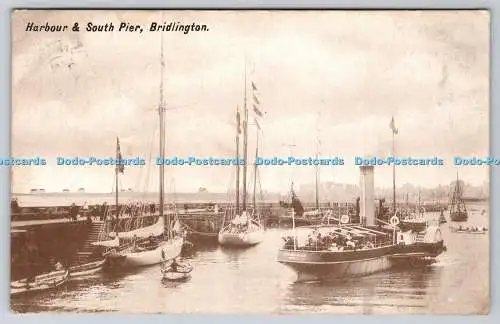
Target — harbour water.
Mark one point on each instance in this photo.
(252, 282)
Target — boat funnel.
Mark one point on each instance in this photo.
(367, 210)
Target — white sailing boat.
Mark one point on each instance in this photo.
(245, 229)
(161, 241)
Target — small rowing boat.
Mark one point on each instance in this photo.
(176, 271)
(39, 283)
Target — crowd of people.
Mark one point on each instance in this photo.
(332, 241)
(102, 211)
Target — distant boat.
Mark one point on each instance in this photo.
(65, 190)
(468, 230)
(458, 210)
(37, 190)
(81, 189)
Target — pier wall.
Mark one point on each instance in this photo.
(36, 248)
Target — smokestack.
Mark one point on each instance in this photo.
(367, 212)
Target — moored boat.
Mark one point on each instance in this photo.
(39, 283)
(241, 232)
(245, 229)
(337, 251)
(458, 210)
(163, 240)
(87, 268)
(140, 257)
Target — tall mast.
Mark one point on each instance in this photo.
(293, 221)
(255, 169)
(245, 144)
(161, 112)
(393, 178)
(394, 132)
(117, 172)
(238, 130)
(317, 170)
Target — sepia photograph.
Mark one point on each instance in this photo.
(250, 162)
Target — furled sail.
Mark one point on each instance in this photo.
(110, 243)
(144, 232)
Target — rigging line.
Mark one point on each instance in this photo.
(148, 170)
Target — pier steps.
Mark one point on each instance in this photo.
(85, 253)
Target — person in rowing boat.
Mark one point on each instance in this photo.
(174, 266)
(58, 266)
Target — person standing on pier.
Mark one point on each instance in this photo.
(74, 212)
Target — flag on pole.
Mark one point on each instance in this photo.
(393, 126)
(257, 123)
(257, 111)
(238, 122)
(119, 166)
(256, 100)
(254, 87)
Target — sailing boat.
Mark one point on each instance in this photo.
(164, 241)
(245, 229)
(458, 210)
(414, 221)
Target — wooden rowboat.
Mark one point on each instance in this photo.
(39, 283)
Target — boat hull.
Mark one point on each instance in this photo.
(240, 239)
(87, 269)
(176, 276)
(40, 283)
(458, 216)
(326, 265)
(171, 249)
(199, 237)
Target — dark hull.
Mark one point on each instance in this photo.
(324, 265)
(203, 237)
(459, 217)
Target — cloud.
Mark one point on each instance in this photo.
(74, 93)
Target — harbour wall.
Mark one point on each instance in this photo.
(38, 247)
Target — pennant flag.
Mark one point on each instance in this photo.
(256, 100)
(238, 123)
(393, 126)
(254, 87)
(119, 167)
(257, 123)
(257, 111)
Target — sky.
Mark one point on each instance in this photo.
(334, 76)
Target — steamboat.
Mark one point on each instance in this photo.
(349, 249)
